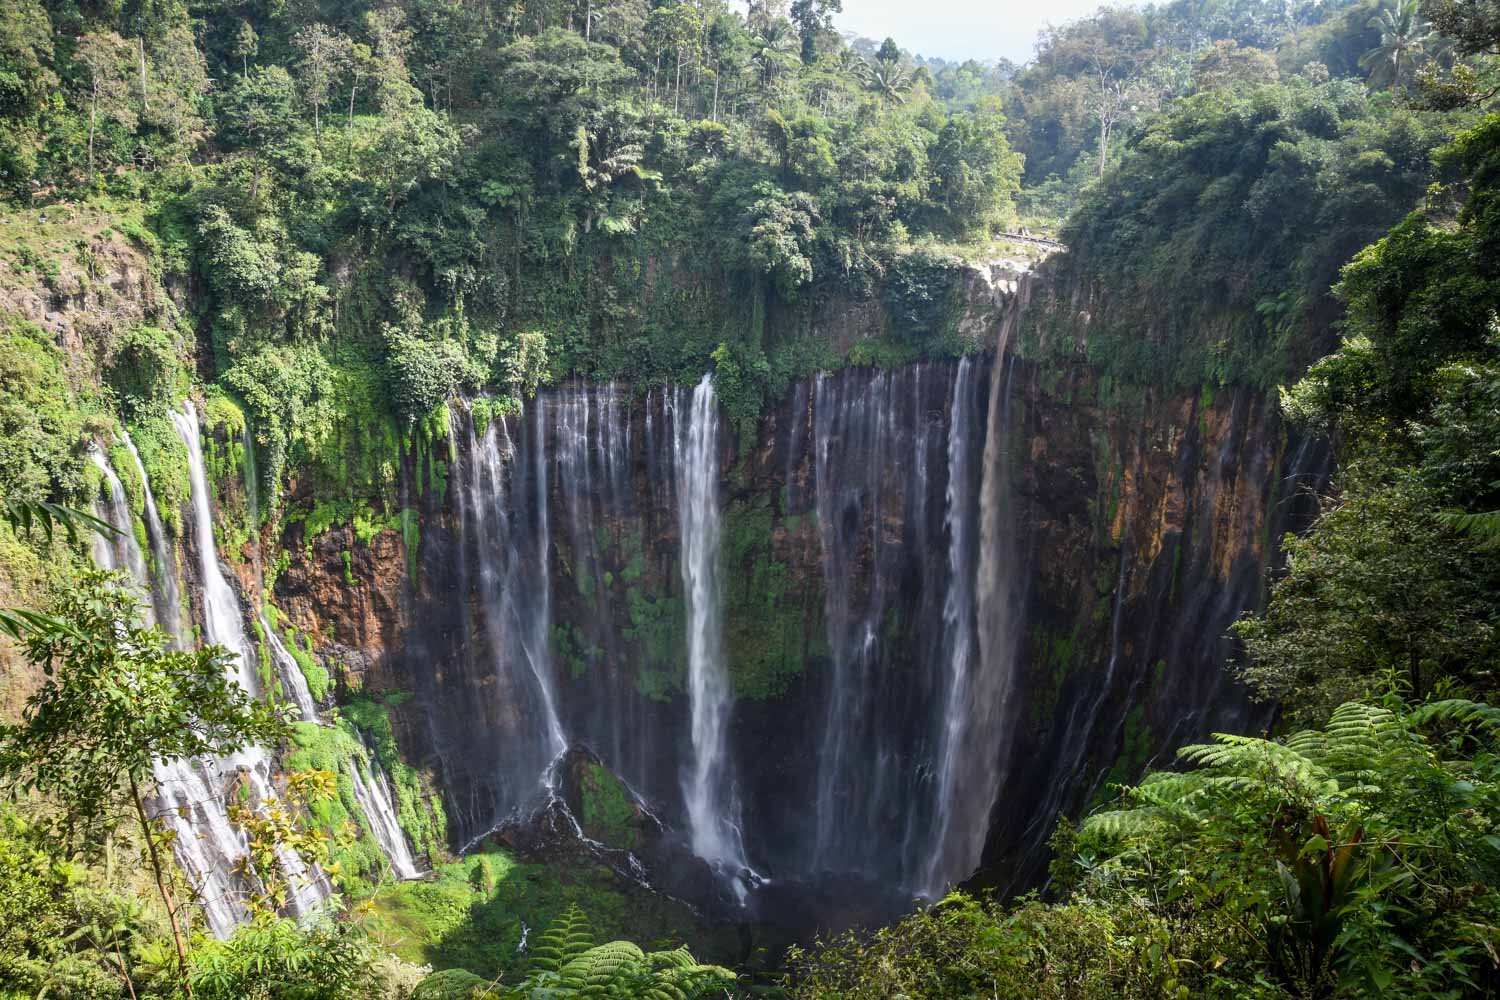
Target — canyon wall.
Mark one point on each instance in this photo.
(957, 598)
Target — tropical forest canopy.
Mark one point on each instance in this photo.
(360, 210)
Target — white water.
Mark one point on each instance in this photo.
(206, 843)
(373, 794)
(952, 847)
(165, 588)
(707, 785)
(224, 626)
(505, 532)
(292, 680)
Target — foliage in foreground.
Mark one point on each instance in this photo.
(1359, 859)
(567, 963)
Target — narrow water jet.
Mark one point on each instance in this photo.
(708, 784)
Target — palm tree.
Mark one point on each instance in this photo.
(773, 47)
(1405, 37)
(889, 79)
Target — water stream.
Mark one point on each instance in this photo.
(708, 783)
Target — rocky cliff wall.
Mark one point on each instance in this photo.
(1108, 540)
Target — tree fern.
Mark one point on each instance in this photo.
(566, 938)
(692, 982)
(1459, 711)
(599, 972)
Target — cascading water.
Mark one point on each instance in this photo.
(205, 842)
(373, 794)
(892, 794)
(954, 846)
(165, 590)
(224, 626)
(505, 537)
(292, 680)
(708, 784)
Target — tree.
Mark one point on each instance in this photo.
(118, 698)
(1405, 37)
(887, 75)
(106, 57)
(811, 17)
(246, 45)
(1379, 588)
(323, 54)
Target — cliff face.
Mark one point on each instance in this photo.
(958, 598)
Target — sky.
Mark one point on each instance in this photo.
(960, 29)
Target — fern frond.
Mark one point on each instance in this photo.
(694, 982)
(597, 971)
(1458, 711)
(1483, 527)
(567, 938)
(1122, 824)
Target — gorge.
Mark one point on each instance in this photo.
(673, 499)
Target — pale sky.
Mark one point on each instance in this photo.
(960, 29)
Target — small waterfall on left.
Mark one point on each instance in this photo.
(223, 625)
(206, 843)
(708, 785)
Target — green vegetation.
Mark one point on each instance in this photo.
(771, 628)
(1224, 226)
(470, 915)
(1351, 860)
(380, 206)
(607, 812)
(116, 700)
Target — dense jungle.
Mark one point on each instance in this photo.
(675, 499)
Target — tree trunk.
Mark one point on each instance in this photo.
(161, 885)
(145, 98)
(716, 90)
(93, 117)
(1103, 140)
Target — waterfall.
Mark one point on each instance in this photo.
(906, 746)
(122, 551)
(292, 679)
(166, 591)
(505, 530)
(224, 626)
(708, 784)
(953, 849)
(373, 794)
(206, 843)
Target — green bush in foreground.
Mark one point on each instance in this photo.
(1359, 859)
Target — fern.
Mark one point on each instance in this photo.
(567, 938)
(1483, 527)
(598, 972)
(1459, 711)
(693, 982)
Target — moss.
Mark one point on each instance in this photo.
(410, 527)
(316, 676)
(772, 625)
(1135, 752)
(165, 458)
(336, 749)
(657, 623)
(608, 813)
